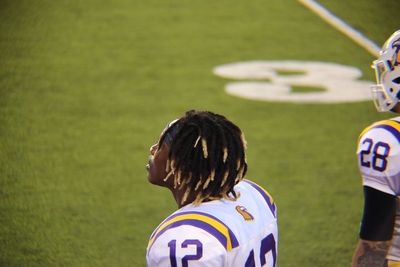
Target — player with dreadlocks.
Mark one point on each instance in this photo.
(223, 220)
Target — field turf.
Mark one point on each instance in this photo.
(87, 86)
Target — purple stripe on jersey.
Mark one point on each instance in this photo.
(199, 224)
(264, 195)
(170, 218)
(232, 236)
(390, 129)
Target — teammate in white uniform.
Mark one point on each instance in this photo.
(379, 163)
(223, 220)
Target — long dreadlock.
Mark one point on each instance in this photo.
(207, 155)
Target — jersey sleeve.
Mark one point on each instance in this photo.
(379, 157)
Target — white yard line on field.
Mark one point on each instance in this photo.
(342, 26)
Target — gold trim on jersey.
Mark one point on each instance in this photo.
(392, 123)
(393, 263)
(221, 228)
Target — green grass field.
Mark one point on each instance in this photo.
(87, 86)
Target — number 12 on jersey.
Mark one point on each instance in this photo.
(185, 244)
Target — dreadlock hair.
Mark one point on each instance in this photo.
(207, 156)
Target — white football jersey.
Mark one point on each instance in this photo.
(219, 233)
(379, 162)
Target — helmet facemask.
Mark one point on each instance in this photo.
(386, 91)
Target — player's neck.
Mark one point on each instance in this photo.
(178, 196)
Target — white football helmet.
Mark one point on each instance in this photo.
(386, 92)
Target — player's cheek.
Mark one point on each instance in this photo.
(151, 172)
(156, 171)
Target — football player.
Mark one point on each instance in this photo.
(379, 163)
(222, 220)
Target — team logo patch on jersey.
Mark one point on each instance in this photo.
(245, 213)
